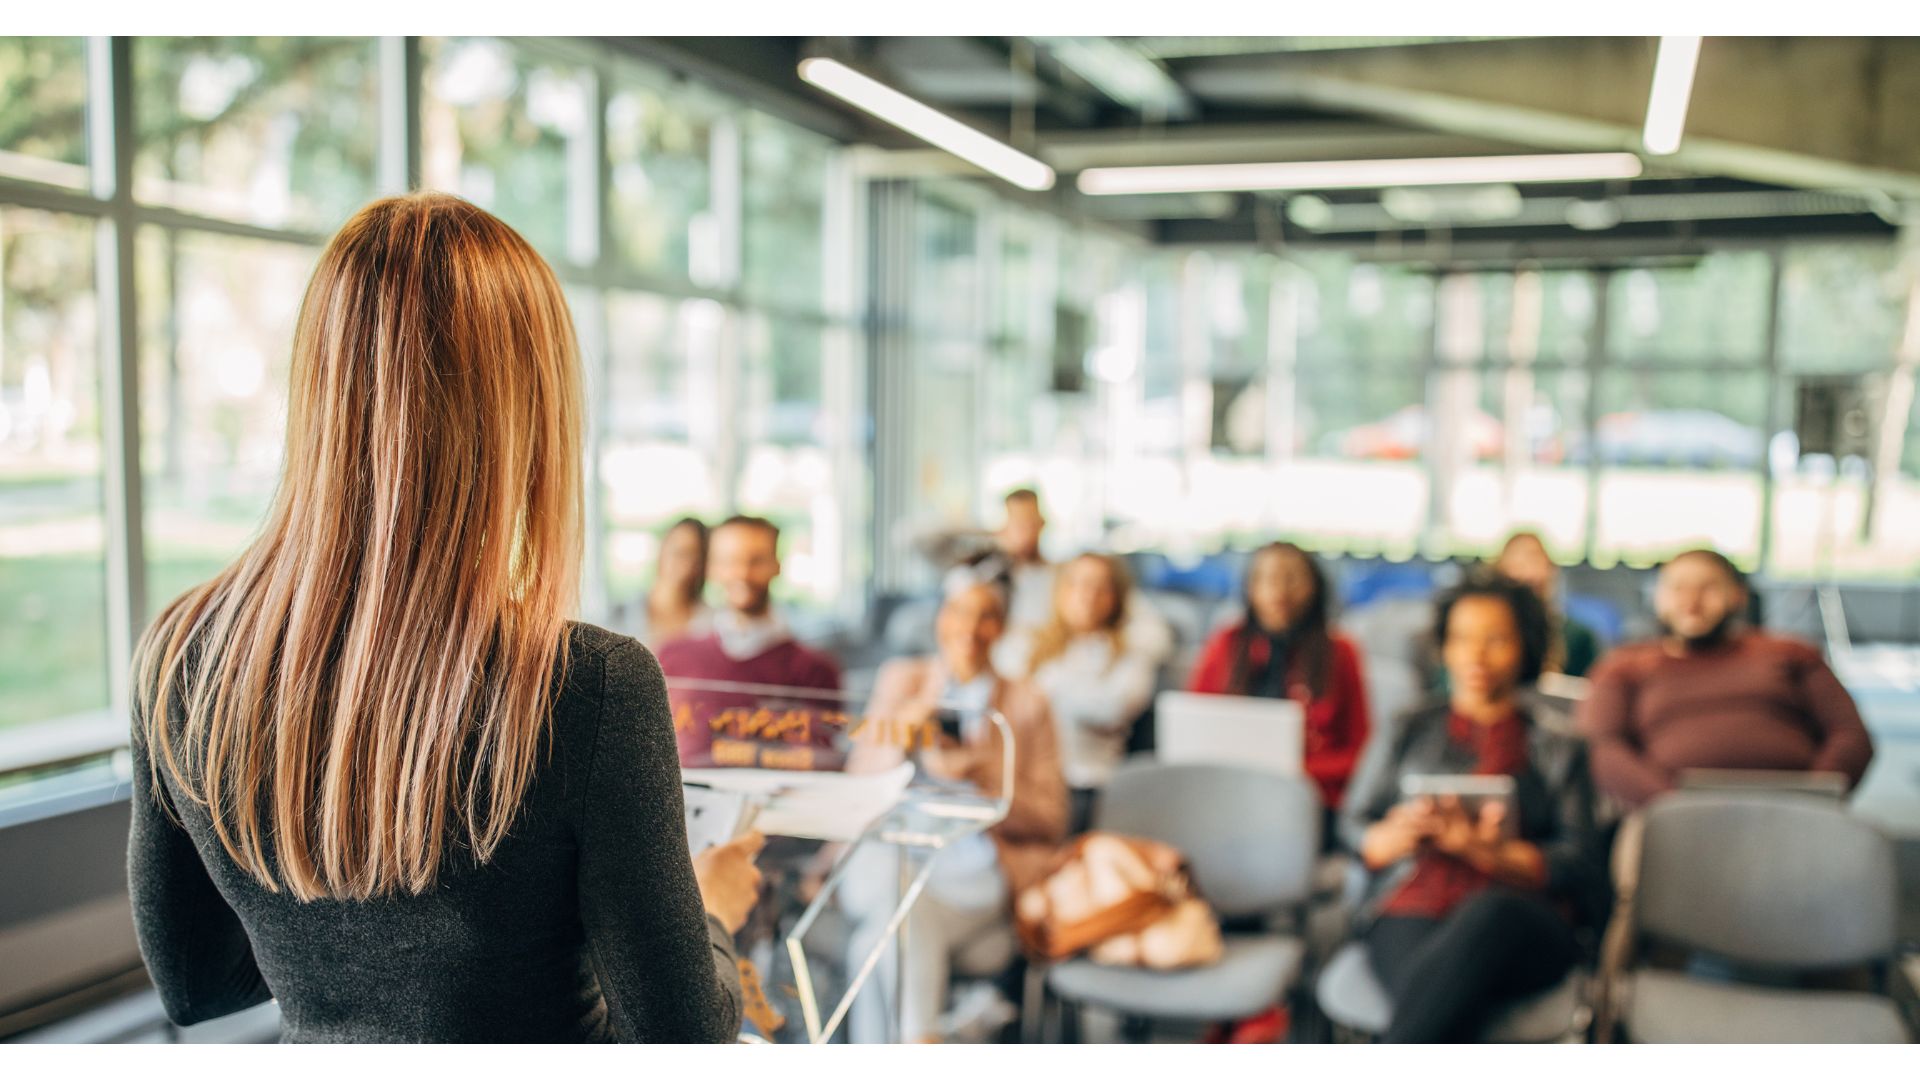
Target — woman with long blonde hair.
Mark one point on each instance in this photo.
(379, 774)
(1096, 659)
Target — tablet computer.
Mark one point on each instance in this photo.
(1473, 791)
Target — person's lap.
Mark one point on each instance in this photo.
(1445, 975)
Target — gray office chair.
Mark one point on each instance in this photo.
(1779, 885)
(1353, 999)
(1251, 839)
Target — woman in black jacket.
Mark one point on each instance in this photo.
(380, 775)
(1466, 909)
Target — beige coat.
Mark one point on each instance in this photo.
(1036, 825)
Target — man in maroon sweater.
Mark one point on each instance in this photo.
(1715, 694)
(749, 643)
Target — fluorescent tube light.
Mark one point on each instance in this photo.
(1383, 173)
(1673, 70)
(928, 123)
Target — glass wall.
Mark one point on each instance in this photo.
(1176, 399)
(1624, 413)
(53, 637)
(693, 234)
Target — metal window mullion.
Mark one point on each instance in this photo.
(1775, 313)
(399, 154)
(595, 344)
(110, 136)
(1598, 361)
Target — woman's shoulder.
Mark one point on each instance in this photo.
(1345, 650)
(601, 666)
(599, 652)
(1221, 637)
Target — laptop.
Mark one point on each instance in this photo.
(1222, 729)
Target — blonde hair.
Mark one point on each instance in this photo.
(1053, 638)
(376, 669)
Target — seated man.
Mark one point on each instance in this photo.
(749, 643)
(967, 904)
(1714, 693)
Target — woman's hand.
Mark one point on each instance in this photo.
(1481, 842)
(946, 758)
(729, 882)
(1399, 834)
(1453, 832)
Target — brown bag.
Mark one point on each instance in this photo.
(1104, 887)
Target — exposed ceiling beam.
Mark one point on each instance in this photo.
(1333, 140)
(1804, 112)
(1123, 72)
(761, 71)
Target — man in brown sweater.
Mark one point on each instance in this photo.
(1715, 694)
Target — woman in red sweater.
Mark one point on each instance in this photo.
(1283, 648)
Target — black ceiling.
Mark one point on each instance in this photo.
(1027, 91)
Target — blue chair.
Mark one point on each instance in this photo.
(1601, 614)
(1364, 586)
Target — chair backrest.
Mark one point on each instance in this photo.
(1773, 879)
(1251, 837)
(1394, 628)
(1393, 688)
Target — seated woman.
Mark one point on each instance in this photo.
(1097, 665)
(1572, 646)
(969, 897)
(1467, 911)
(1283, 648)
(675, 605)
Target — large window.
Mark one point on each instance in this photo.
(661, 150)
(661, 447)
(278, 131)
(53, 656)
(692, 236)
(511, 130)
(216, 334)
(43, 129)
(1844, 309)
(784, 223)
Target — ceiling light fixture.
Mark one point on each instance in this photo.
(919, 119)
(1382, 173)
(1673, 69)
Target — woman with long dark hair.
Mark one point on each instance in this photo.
(379, 774)
(1285, 647)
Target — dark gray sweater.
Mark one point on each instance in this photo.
(586, 924)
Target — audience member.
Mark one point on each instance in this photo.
(749, 642)
(1096, 663)
(1029, 575)
(676, 606)
(1572, 645)
(1282, 647)
(1467, 910)
(1714, 692)
(966, 903)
